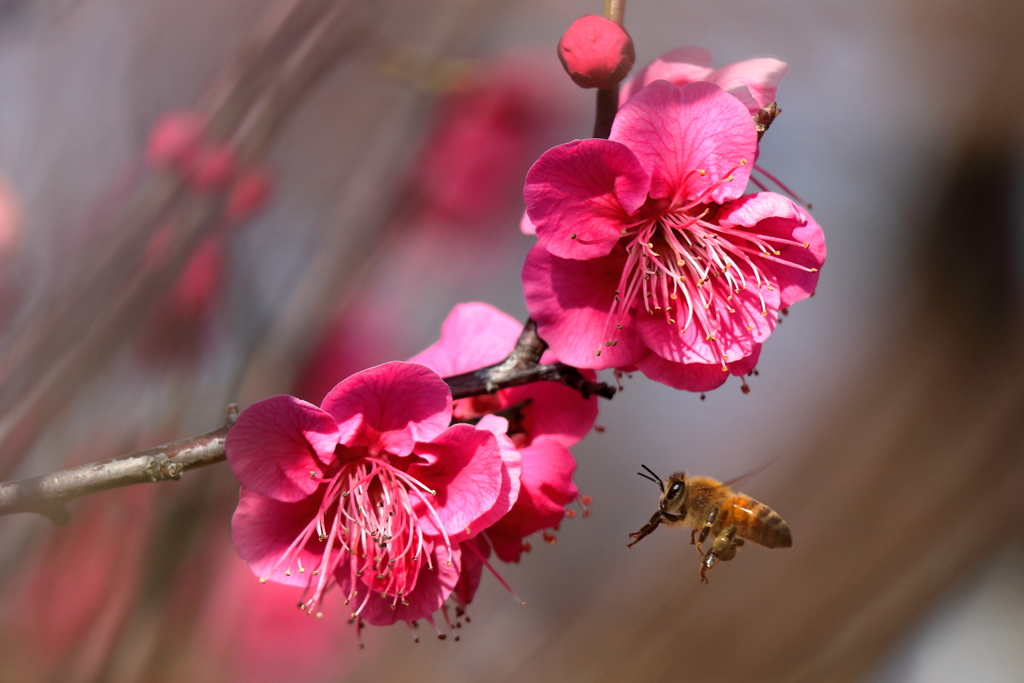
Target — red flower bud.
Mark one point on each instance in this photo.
(596, 52)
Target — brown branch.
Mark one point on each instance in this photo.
(764, 117)
(48, 494)
(523, 366)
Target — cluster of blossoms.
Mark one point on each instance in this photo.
(649, 257)
(391, 488)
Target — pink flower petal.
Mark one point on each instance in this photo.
(580, 196)
(511, 474)
(277, 442)
(773, 215)
(570, 301)
(758, 77)
(263, 529)
(739, 333)
(554, 410)
(680, 66)
(683, 376)
(676, 132)
(433, 585)
(547, 488)
(390, 407)
(474, 335)
(464, 465)
(526, 226)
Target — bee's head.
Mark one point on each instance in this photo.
(673, 495)
(673, 492)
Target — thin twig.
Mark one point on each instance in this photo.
(48, 494)
(608, 100)
(523, 366)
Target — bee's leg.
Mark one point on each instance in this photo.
(730, 552)
(646, 529)
(705, 530)
(721, 549)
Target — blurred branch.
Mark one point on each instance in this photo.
(48, 494)
(79, 329)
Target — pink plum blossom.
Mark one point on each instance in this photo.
(650, 256)
(372, 492)
(547, 418)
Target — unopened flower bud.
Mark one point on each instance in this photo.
(596, 52)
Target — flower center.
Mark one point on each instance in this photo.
(686, 267)
(369, 524)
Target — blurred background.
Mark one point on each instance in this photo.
(392, 137)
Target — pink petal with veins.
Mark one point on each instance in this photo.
(390, 407)
(277, 442)
(262, 529)
(474, 335)
(570, 300)
(547, 487)
(580, 195)
(775, 216)
(554, 410)
(758, 78)
(464, 465)
(745, 328)
(677, 132)
(680, 66)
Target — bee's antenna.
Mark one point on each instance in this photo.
(651, 476)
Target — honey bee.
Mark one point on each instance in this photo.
(709, 507)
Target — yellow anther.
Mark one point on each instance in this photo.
(701, 171)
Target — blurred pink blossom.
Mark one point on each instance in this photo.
(548, 418)
(178, 321)
(372, 492)
(753, 82)
(649, 254)
(486, 129)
